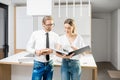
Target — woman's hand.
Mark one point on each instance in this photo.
(74, 48)
(68, 57)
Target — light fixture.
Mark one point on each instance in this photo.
(80, 7)
(66, 8)
(38, 7)
(74, 3)
(59, 10)
(89, 6)
(73, 8)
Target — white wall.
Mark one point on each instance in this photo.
(24, 27)
(99, 39)
(119, 39)
(5, 1)
(107, 18)
(115, 39)
(11, 29)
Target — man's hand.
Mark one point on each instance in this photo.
(43, 51)
(47, 51)
(38, 52)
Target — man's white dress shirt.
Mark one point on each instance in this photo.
(37, 41)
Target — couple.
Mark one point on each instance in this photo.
(40, 44)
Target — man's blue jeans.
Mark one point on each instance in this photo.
(70, 69)
(42, 71)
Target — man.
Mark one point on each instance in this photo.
(40, 44)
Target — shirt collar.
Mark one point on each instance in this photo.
(45, 32)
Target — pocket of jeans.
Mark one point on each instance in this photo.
(37, 65)
(50, 66)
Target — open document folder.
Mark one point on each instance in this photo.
(76, 52)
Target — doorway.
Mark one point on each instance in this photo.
(3, 31)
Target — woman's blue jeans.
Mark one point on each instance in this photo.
(42, 71)
(70, 69)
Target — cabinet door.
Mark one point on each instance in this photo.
(24, 28)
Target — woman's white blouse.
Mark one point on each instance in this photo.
(65, 44)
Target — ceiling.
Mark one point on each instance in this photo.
(97, 5)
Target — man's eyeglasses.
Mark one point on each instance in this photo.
(50, 24)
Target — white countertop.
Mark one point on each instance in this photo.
(86, 60)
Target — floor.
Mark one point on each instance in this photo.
(103, 67)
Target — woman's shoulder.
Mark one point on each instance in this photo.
(79, 36)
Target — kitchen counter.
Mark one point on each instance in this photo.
(23, 59)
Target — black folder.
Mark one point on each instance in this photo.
(76, 52)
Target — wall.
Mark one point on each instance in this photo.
(99, 39)
(11, 29)
(5, 1)
(115, 39)
(24, 27)
(119, 39)
(107, 18)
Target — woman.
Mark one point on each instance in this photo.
(70, 69)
